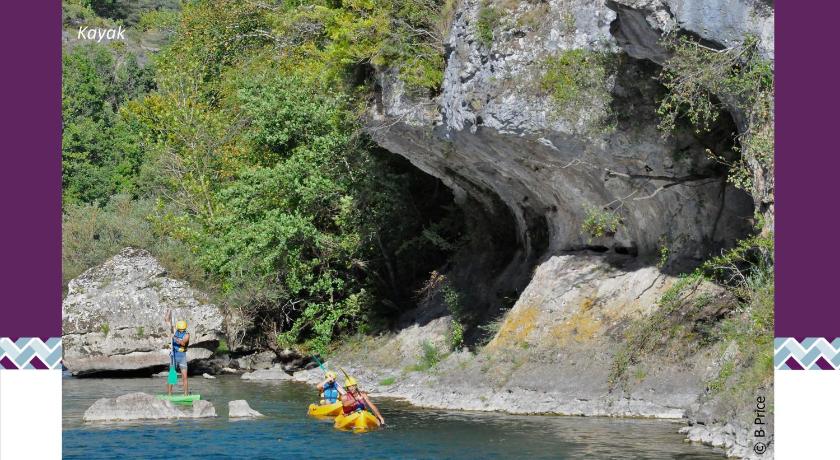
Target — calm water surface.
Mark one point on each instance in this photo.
(412, 433)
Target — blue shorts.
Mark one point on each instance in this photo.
(181, 362)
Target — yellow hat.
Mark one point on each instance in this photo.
(181, 325)
(331, 375)
(350, 382)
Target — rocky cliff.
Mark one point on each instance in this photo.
(113, 317)
(497, 136)
(537, 154)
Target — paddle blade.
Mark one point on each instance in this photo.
(172, 378)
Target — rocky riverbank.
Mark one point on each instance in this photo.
(556, 352)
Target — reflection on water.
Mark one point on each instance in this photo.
(412, 433)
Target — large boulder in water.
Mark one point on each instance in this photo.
(142, 406)
(113, 317)
(241, 409)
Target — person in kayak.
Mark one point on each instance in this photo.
(330, 389)
(353, 399)
(180, 343)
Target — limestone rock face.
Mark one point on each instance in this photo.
(553, 351)
(736, 440)
(497, 137)
(142, 406)
(275, 373)
(523, 158)
(241, 409)
(640, 23)
(113, 317)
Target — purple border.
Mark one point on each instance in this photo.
(807, 171)
(30, 171)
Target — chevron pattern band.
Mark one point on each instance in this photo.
(30, 353)
(809, 353)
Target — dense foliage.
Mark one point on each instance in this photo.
(703, 83)
(100, 155)
(235, 157)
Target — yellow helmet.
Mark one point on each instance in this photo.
(331, 375)
(181, 325)
(350, 382)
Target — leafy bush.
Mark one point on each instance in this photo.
(430, 356)
(100, 154)
(488, 20)
(650, 332)
(91, 234)
(664, 255)
(456, 334)
(572, 76)
(703, 82)
(222, 348)
(600, 222)
(453, 301)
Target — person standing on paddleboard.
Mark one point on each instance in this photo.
(180, 342)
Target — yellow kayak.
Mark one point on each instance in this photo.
(325, 410)
(357, 421)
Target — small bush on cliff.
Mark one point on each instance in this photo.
(456, 335)
(430, 356)
(600, 222)
(577, 82)
(572, 75)
(488, 20)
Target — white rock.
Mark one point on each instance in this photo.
(113, 316)
(241, 409)
(142, 406)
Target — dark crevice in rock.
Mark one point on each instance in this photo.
(626, 250)
(595, 248)
(127, 373)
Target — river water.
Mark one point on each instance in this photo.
(412, 433)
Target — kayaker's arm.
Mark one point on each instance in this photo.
(373, 408)
(183, 341)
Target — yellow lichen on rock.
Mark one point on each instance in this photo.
(515, 329)
(582, 326)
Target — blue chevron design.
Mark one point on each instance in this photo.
(30, 353)
(806, 353)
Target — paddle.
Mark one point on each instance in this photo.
(172, 378)
(319, 363)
